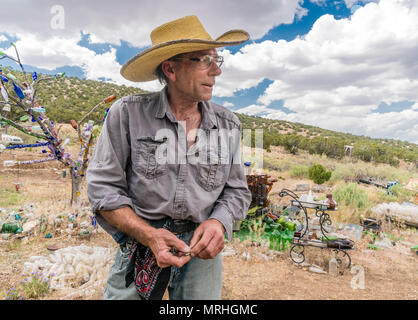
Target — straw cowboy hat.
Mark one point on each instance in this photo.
(179, 36)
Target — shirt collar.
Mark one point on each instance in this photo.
(208, 115)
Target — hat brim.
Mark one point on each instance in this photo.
(141, 67)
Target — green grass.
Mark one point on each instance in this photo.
(300, 172)
(277, 165)
(396, 194)
(372, 246)
(10, 197)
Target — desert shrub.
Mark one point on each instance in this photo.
(319, 174)
(291, 142)
(351, 195)
(376, 152)
(332, 147)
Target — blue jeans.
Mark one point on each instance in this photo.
(197, 280)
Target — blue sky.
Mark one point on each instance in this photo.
(344, 65)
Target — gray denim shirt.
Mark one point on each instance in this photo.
(141, 160)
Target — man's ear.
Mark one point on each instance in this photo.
(168, 69)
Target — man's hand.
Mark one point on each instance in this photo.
(208, 239)
(161, 242)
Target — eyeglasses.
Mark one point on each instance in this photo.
(206, 61)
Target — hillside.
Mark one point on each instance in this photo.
(70, 97)
(294, 136)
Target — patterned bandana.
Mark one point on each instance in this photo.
(150, 280)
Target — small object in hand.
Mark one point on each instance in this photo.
(181, 253)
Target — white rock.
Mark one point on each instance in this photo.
(384, 243)
(246, 256)
(5, 236)
(84, 224)
(263, 257)
(34, 258)
(29, 226)
(29, 216)
(407, 243)
(333, 267)
(317, 270)
(58, 222)
(228, 253)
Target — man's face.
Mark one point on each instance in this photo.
(191, 79)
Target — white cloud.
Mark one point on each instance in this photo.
(2, 38)
(263, 111)
(228, 104)
(350, 3)
(394, 125)
(341, 70)
(58, 51)
(133, 20)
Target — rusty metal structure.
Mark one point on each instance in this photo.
(260, 186)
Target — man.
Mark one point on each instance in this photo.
(166, 179)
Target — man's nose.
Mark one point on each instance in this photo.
(215, 70)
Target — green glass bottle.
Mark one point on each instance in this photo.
(9, 227)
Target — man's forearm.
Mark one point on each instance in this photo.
(159, 240)
(127, 221)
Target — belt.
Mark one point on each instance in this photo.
(178, 226)
(182, 226)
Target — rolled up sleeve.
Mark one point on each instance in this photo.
(107, 187)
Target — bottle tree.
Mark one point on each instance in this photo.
(21, 95)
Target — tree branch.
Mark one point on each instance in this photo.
(24, 130)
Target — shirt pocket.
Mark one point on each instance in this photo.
(212, 175)
(151, 157)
